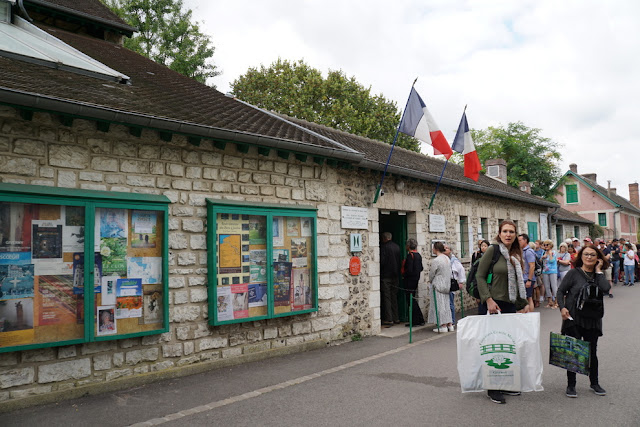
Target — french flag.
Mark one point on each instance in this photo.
(463, 143)
(419, 123)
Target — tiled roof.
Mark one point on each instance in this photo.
(428, 168)
(568, 216)
(87, 9)
(615, 198)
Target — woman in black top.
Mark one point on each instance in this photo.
(411, 270)
(588, 271)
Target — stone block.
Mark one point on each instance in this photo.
(16, 377)
(193, 172)
(211, 159)
(61, 371)
(185, 314)
(180, 297)
(9, 359)
(141, 181)
(170, 154)
(257, 347)
(69, 156)
(232, 162)
(134, 166)
(136, 356)
(191, 157)
(227, 175)
(29, 147)
(199, 295)
(98, 347)
(162, 366)
(244, 177)
(102, 362)
(295, 341)
(211, 343)
(265, 165)
(193, 225)
(125, 149)
(231, 352)
(172, 350)
(299, 328)
(149, 152)
(283, 193)
(178, 241)
(322, 324)
(118, 374)
(186, 258)
(270, 332)
(17, 166)
(327, 265)
(174, 169)
(91, 176)
(34, 391)
(40, 355)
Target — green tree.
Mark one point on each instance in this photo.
(529, 156)
(300, 91)
(167, 35)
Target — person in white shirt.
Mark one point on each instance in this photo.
(629, 265)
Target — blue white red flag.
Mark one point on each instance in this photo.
(419, 123)
(463, 143)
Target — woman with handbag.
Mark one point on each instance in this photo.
(440, 278)
(502, 288)
(580, 298)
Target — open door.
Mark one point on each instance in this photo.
(396, 224)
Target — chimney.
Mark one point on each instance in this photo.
(612, 190)
(526, 186)
(591, 176)
(634, 198)
(497, 169)
(573, 168)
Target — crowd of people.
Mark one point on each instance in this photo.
(522, 277)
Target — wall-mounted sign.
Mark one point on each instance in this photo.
(544, 227)
(354, 266)
(353, 217)
(356, 242)
(437, 223)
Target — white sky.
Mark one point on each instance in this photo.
(570, 67)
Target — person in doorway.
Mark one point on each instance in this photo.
(458, 273)
(529, 264)
(507, 292)
(390, 264)
(440, 279)
(589, 266)
(411, 271)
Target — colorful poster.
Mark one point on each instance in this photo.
(258, 270)
(152, 310)
(114, 254)
(149, 269)
(108, 288)
(56, 301)
(257, 294)
(306, 227)
(228, 225)
(73, 231)
(224, 304)
(257, 230)
(128, 307)
(128, 287)
(230, 253)
(282, 283)
(15, 258)
(293, 227)
(46, 250)
(15, 227)
(78, 273)
(113, 223)
(301, 288)
(143, 224)
(280, 255)
(106, 319)
(240, 300)
(299, 252)
(16, 281)
(278, 231)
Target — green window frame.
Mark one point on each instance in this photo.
(265, 255)
(571, 192)
(602, 219)
(484, 228)
(464, 236)
(576, 231)
(57, 271)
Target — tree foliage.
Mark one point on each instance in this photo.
(167, 35)
(529, 156)
(337, 101)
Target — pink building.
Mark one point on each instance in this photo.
(583, 195)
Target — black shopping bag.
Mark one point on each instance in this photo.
(569, 353)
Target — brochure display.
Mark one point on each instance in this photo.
(263, 264)
(47, 269)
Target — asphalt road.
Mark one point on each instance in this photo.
(375, 382)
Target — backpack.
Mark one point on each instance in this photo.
(538, 267)
(472, 284)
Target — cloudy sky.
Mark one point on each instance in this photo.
(570, 68)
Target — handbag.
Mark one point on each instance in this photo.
(455, 286)
(569, 353)
(500, 352)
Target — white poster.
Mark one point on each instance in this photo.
(108, 289)
(437, 223)
(544, 227)
(353, 217)
(224, 303)
(149, 269)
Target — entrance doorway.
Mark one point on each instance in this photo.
(396, 224)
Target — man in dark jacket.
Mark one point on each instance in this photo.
(389, 279)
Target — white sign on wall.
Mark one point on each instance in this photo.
(544, 227)
(437, 223)
(356, 242)
(352, 217)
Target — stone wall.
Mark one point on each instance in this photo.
(42, 151)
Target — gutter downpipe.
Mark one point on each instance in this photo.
(555, 222)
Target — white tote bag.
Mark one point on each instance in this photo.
(500, 352)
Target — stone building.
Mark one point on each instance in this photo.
(208, 231)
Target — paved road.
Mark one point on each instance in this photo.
(375, 382)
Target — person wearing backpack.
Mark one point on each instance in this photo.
(581, 300)
(501, 285)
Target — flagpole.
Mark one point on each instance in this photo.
(395, 138)
(438, 185)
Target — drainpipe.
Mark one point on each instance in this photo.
(555, 223)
